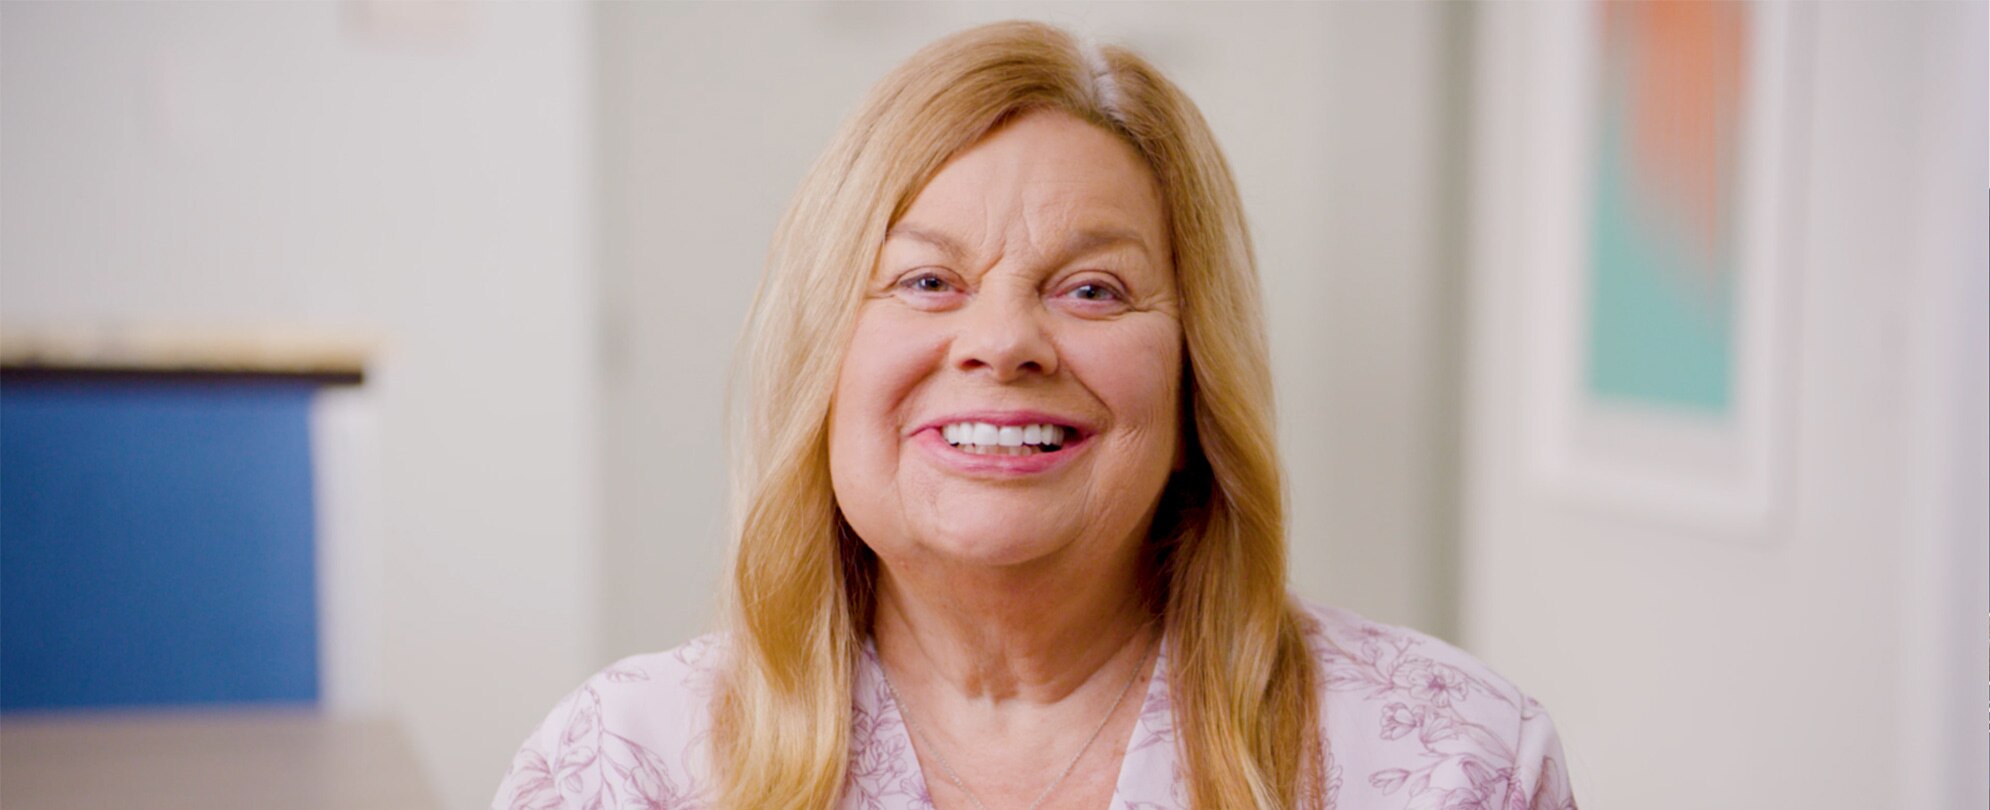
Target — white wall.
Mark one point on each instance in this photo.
(1333, 116)
(1832, 657)
(420, 173)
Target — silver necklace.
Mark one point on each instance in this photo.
(948, 768)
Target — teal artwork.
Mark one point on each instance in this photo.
(1661, 270)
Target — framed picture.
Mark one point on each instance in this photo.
(1659, 287)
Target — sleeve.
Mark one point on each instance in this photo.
(623, 738)
(532, 781)
(1540, 772)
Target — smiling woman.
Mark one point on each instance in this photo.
(996, 310)
(1006, 457)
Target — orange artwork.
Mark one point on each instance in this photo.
(1685, 72)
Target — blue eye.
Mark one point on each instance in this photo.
(926, 283)
(1095, 292)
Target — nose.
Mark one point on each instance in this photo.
(1003, 332)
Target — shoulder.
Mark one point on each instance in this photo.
(1408, 716)
(632, 732)
(1357, 655)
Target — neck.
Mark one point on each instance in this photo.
(1000, 634)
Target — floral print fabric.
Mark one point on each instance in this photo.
(1408, 722)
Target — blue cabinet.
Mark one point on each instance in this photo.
(156, 542)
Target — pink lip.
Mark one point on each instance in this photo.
(928, 437)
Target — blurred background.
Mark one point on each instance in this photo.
(364, 366)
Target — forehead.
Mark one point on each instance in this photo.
(1040, 178)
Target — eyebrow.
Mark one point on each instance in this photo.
(939, 240)
(1085, 241)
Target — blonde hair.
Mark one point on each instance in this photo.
(801, 586)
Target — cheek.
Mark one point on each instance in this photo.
(1135, 372)
(887, 359)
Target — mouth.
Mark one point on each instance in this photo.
(989, 439)
(1006, 441)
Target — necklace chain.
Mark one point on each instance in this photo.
(948, 768)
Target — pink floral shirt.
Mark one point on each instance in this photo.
(1408, 721)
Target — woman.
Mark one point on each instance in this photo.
(1011, 531)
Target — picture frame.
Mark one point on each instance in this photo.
(1680, 418)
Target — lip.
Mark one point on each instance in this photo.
(928, 437)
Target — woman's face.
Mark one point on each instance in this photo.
(1011, 393)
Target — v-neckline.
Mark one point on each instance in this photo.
(1146, 768)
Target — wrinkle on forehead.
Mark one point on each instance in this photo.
(1081, 241)
(1032, 202)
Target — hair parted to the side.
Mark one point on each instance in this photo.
(800, 598)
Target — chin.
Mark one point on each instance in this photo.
(1002, 545)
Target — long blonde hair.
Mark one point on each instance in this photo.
(800, 600)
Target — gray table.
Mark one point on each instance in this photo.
(217, 760)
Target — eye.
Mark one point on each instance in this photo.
(932, 290)
(926, 283)
(1094, 292)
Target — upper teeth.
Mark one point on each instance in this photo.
(987, 435)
